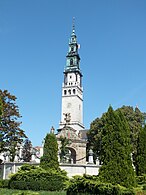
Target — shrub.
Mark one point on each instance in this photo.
(144, 187)
(4, 183)
(36, 178)
(141, 179)
(82, 185)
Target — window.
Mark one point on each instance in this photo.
(69, 91)
(64, 92)
(74, 91)
(76, 77)
(79, 107)
(72, 48)
(71, 61)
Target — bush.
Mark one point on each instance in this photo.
(141, 179)
(144, 187)
(4, 183)
(82, 185)
(35, 178)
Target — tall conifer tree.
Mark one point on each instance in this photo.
(116, 151)
(49, 160)
(141, 153)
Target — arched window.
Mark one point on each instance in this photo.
(71, 61)
(64, 92)
(74, 91)
(69, 91)
(72, 48)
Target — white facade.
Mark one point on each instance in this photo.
(72, 101)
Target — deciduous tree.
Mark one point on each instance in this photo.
(11, 133)
(26, 151)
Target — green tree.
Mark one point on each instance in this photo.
(141, 152)
(11, 133)
(49, 160)
(26, 151)
(116, 151)
(1, 142)
(64, 151)
(134, 118)
(95, 135)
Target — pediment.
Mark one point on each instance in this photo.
(69, 133)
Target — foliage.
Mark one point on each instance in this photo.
(26, 151)
(1, 135)
(1, 106)
(28, 192)
(116, 151)
(134, 118)
(10, 131)
(141, 152)
(63, 149)
(35, 178)
(4, 183)
(84, 185)
(49, 160)
(144, 187)
(141, 179)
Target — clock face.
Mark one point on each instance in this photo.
(68, 105)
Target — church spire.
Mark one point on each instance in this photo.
(73, 58)
(72, 91)
(73, 25)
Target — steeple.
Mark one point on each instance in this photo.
(73, 26)
(72, 57)
(72, 91)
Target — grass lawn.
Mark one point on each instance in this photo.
(4, 191)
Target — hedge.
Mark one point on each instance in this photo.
(36, 178)
(141, 179)
(82, 185)
(4, 183)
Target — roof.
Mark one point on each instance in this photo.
(83, 134)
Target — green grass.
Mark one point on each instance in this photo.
(4, 191)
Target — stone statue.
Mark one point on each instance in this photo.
(67, 118)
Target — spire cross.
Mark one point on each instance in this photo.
(73, 25)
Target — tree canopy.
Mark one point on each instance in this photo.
(134, 118)
(49, 160)
(141, 152)
(116, 150)
(26, 151)
(10, 131)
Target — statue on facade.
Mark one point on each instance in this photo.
(67, 118)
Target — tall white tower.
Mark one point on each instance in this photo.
(72, 91)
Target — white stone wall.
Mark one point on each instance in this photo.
(75, 169)
(72, 169)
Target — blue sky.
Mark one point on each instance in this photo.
(33, 46)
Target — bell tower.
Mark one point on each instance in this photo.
(72, 91)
